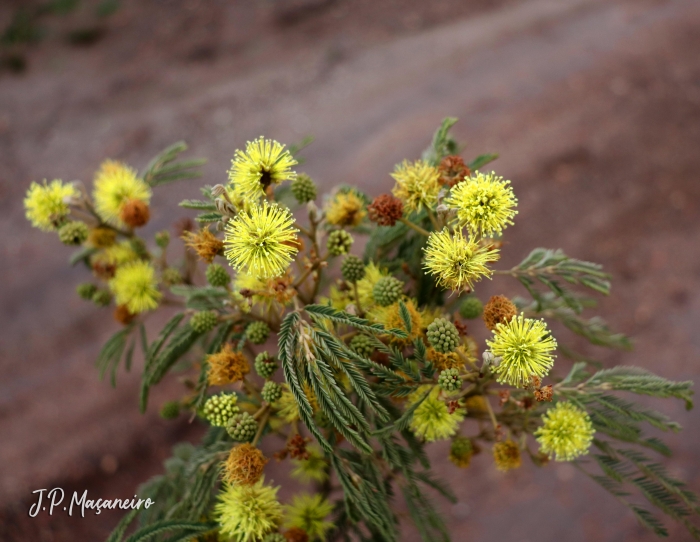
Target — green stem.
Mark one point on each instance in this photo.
(414, 227)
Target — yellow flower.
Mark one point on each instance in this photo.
(309, 512)
(485, 204)
(390, 318)
(246, 513)
(567, 432)
(45, 204)
(345, 209)
(313, 469)
(525, 348)
(117, 254)
(287, 407)
(134, 285)
(456, 261)
(262, 241)
(119, 193)
(432, 420)
(417, 184)
(264, 162)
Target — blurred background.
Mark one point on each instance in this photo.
(594, 106)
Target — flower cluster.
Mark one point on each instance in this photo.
(360, 359)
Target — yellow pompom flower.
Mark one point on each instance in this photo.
(345, 209)
(261, 241)
(506, 455)
(246, 513)
(264, 162)
(134, 285)
(312, 469)
(117, 254)
(45, 204)
(432, 420)
(567, 432)
(457, 261)
(485, 204)
(525, 347)
(119, 193)
(417, 184)
(309, 512)
(365, 286)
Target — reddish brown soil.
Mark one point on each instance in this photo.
(594, 107)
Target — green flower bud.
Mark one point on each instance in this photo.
(101, 298)
(170, 410)
(86, 290)
(443, 336)
(219, 409)
(449, 380)
(362, 345)
(171, 276)
(303, 188)
(471, 307)
(265, 365)
(387, 290)
(257, 332)
(271, 391)
(352, 268)
(339, 242)
(204, 321)
(242, 427)
(73, 233)
(163, 238)
(217, 275)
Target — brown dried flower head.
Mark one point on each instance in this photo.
(544, 394)
(135, 213)
(295, 534)
(102, 237)
(452, 170)
(227, 366)
(244, 465)
(385, 210)
(297, 447)
(506, 454)
(122, 315)
(204, 243)
(498, 310)
(444, 361)
(103, 270)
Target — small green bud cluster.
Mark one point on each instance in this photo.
(471, 307)
(170, 410)
(352, 268)
(73, 233)
(271, 391)
(257, 332)
(339, 242)
(303, 188)
(242, 427)
(219, 409)
(449, 380)
(443, 336)
(387, 291)
(362, 345)
(204, 321)
(217, 275)
(265, 365)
